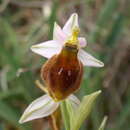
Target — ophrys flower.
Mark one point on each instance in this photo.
(63, 71)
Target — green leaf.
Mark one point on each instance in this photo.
(116, 30)
(105, 16)
(10, 114)
(84, 110)
(10, 93)
(52, 18)
(102, 126)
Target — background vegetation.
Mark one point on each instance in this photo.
(106, 26)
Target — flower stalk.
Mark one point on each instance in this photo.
(65, 115)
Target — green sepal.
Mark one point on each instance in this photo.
(77, 116)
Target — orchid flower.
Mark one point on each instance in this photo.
(60, 37)
(47, 104)
(65, 50)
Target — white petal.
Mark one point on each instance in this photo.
(89, 60)
(58, 34)
(82, 41)
(74, 101)
(39, 108)
(70, 24)
(47, 49)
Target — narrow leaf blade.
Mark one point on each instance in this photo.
(84, 110)
(102, 126)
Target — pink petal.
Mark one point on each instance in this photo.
(82, 41)
(47, 49)
(70, 24)
(89, 60)
(58, 34)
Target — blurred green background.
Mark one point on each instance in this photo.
(106, 26)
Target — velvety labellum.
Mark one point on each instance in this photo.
(62, 73)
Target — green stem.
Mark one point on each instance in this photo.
(65, 115)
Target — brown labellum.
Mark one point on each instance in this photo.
(62, 73)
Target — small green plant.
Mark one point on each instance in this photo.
(62, 74)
